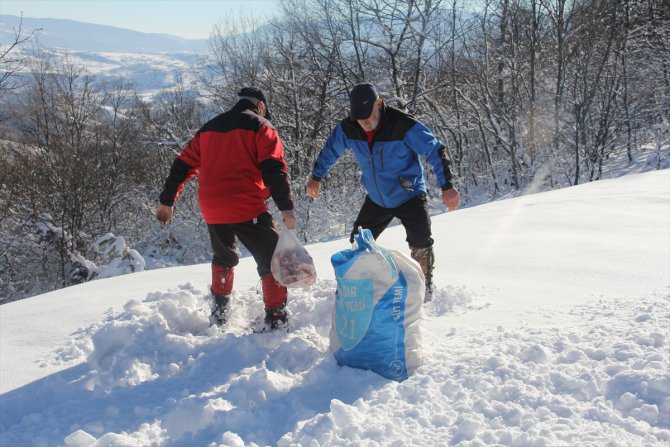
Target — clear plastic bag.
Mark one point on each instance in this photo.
(291, 265)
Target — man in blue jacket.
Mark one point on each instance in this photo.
(387, 144)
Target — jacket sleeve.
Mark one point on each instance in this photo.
(330, 153)
(191, 153)
(273, 168)
(183, 168)
(180, 173)
(422, 141)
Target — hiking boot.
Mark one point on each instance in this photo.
(276, 318)
(274, 301)
(429, 290)
(219, 310)
(426, 259)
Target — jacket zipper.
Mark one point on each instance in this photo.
(374, 173)
(381, 155)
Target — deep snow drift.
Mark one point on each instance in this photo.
(549, 327)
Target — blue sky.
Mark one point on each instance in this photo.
(191, 19)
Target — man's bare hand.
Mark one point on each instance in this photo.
(164, 214)
(313, 188)
(451, 198)
(288, 217)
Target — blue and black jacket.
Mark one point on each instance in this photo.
(391, 171)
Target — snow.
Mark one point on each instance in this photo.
(149, 73)
(549, 327)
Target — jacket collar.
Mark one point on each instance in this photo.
(245, 104)
(383, 125)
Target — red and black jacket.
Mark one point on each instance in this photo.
(239, 160)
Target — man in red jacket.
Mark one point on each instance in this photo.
(239, 160)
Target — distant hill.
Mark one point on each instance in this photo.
(151, 62)
(80, 36)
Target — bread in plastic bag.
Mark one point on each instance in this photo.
(291, 265)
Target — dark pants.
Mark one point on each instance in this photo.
(413, 215)
(258, 235)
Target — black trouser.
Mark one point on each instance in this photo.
(258, 235)
(413, 215)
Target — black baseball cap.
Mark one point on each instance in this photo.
(253, 92)
(361, 101)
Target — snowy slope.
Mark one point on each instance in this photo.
(550, 327)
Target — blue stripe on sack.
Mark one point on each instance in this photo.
(342, 261)
(382, 349)
(391, 262)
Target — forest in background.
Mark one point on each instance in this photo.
(527, 95)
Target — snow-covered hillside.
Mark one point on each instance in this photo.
(82, 36)
(549, 327)
(151, 62)
(149, 73)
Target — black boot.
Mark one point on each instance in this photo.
(276, 318)
(219, 310)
